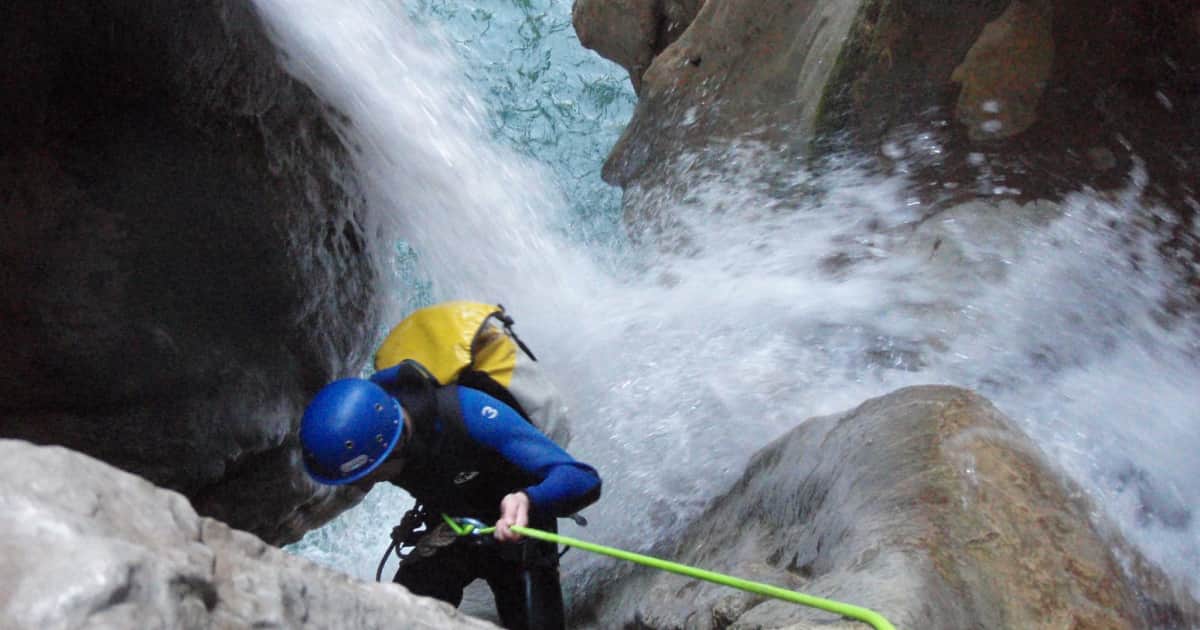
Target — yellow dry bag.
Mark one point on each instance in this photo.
(472, 344)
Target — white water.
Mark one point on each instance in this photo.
(680, 366)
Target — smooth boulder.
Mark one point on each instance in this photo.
(926, 505)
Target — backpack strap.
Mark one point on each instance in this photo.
(454, 428)
(417, 390)
(476, 379)
(507, 321)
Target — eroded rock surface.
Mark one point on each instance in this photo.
(1026, 100)
(1037, 86)
(926, 505)
(86, 545)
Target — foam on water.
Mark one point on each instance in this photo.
(679, 364)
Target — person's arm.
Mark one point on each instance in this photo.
(566, 485)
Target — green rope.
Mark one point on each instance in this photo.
(864, 615)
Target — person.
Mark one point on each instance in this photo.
(464, 453)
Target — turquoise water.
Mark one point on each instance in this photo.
(546, 97)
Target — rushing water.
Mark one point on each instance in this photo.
(480, 131)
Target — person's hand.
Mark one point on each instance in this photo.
(514, 510)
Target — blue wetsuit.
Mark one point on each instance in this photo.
(566, 484)
(463, 465)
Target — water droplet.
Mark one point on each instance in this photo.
(1166, 102)
(893, 150)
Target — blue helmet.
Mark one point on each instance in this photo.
(348, 430)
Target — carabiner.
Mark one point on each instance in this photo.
(464, 526)
(474, 525)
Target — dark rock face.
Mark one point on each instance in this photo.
(181, 269)
(1066, 84)
(1058, 70)
(926, 505)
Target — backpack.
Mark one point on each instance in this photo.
(472, 344)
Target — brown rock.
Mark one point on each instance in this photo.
(1006, 71)
(753, 69)
(926, 505)
(632, 32)
(623, 31)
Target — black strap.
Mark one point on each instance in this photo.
(508, 324)
(476, 379)
(454, 427)
(404, 535)
(415, 388)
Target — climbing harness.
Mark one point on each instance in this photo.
(409, 534)
(403, 535)
(469, 527)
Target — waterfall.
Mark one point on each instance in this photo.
(679, 365)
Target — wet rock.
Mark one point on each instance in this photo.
(624, 31)
(926, 505)
(1037, 99)
(1038, 82)
(1006, 71)
(186, 254)
(632, 32)
(738, 68)
(87, 545)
